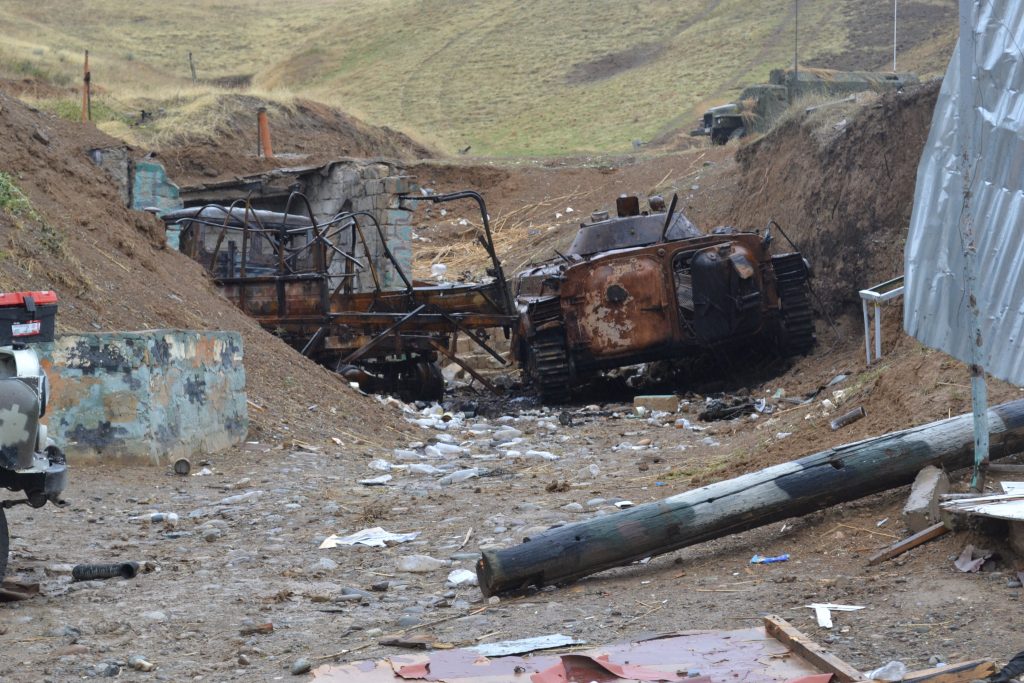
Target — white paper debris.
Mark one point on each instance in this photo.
(823, 612)
(524, 645)
(375, 538)
(461, 577)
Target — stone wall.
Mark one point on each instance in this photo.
(152, 396)
(371, 186)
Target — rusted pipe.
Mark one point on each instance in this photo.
(847, 418)
(264, 129)
(88, 572)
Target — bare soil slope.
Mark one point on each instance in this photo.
(304, 132)
(112, 272)
(843, 191)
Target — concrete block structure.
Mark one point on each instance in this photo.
(369, 185)
(149, 396)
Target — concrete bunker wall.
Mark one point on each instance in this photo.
(152, 396)
(371, 186)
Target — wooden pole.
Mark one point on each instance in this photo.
(192, 67)
(791, 489)
(264, 130)
(86, 91)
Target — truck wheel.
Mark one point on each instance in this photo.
(737, 133)
(5, 543)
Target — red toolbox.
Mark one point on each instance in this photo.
(27, 317)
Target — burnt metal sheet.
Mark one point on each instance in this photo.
(623, 304)
(739, 655)
(936, 309)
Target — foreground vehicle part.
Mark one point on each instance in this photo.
(650, 286)
(30, 463)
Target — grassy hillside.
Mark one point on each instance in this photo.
(504, 77)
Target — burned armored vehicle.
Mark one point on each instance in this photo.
(30, 463)
(649, 286)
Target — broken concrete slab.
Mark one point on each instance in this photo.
(666, 403)
(922, 508)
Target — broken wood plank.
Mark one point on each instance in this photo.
(791, 489)
(787, 634)
(920, 538)
(963, 672)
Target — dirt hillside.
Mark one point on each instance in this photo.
(302, 132)
(841, 189)
(112, 272)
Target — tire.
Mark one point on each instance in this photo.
(737, 133)
(5, 543)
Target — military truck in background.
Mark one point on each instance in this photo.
(760, 105)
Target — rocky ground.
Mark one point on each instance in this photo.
(239, 588)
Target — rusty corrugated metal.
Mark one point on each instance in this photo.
(936, 306)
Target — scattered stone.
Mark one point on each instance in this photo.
(301, 665)
(407, 620)
(922, 508)
(139, 663)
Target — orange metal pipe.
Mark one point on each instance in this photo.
(264, 128)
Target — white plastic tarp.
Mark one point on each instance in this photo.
(936, 307)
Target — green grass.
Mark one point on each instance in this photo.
(488, 73)
(13, 201)
(70, 109)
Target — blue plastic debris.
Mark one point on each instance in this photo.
(758, 559)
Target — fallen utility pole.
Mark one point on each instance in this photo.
(788, 490)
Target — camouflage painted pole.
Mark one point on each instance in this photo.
(795, 488)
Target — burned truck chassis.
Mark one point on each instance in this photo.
(387, 340)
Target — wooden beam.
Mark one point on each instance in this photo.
(964, 672)
(1005, 469)
(920, 538)
(787, 634)
(753, 500)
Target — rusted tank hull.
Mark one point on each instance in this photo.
(656, 299)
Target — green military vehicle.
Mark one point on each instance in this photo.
(759, 105)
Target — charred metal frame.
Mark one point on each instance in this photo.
(338, 326)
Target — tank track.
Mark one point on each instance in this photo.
(791, 276)
(549, 367)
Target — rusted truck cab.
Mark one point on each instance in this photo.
(647, 286)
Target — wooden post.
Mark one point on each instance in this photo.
(791, 489)
(192, 67)
(264, 131)
(86, 91)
